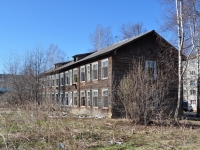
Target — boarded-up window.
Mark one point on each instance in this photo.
(104, 68)
(95, 71)
(105, 97)
(82, 73)
(95, 98)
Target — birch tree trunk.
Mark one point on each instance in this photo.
(179, 15)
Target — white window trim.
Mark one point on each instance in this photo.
(87, 98)
(104, 89)
(67, 93)
(88, 73)
(66, 74)
(53, 80)
(70, 77)
(75, 69)
(84, 73)
(95, 63)
(104, 60)
(61, 76)
(155, 67)
(73, 98)
(97, 98)
(70, 98)
(57, 79)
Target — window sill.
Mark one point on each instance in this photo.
(104, 78)
(82, 81)
(94, 79)
(104, 107)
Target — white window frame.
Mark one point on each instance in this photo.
(61, 78)
(88, 98)
(95, 63)
(67, 77)
(192, 83)
(75, 92)
(82, 97)
(67, 98)
(192, 73)
(151, 64)
(53, 97)
(75, 72)
(70, 77)
(53, 80)
(103, 97)
(88, 73)
(102, 68)
(70, 98)
(62, 99)
(82, 70)
(93, 96)
(57, 97)
(57, 79)
(192, 92)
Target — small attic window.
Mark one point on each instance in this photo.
(149, 52)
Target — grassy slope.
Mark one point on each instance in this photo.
(35, 130)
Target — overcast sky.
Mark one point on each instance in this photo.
(25, 24)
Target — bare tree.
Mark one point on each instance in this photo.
(26, 74)
(129, 30)
(101, 38)
(181, 17)
(143, 94)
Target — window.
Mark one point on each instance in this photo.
(88, 73)
(52, 97)
(61, 79)
(83, 98)
(70, 98)
(192, 63)
(184, 92)
(95, 71)
(192, 72)
(104, 68)
(192, 92)
(95, 98)
(75, 98)
(75, 75)
(62, 100)
(52, 77)
(67, 78)
(185, 74)
(82, 73)
(192, 102)
(66, 98)
(57, 79)
(57, 99)
(70, 77)
(192, 82)
(88, 98)
(105, 97)
(151, 68)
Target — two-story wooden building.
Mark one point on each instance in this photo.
(85, 85)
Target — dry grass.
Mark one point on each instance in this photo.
(36, 130)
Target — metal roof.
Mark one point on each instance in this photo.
(102, 51)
